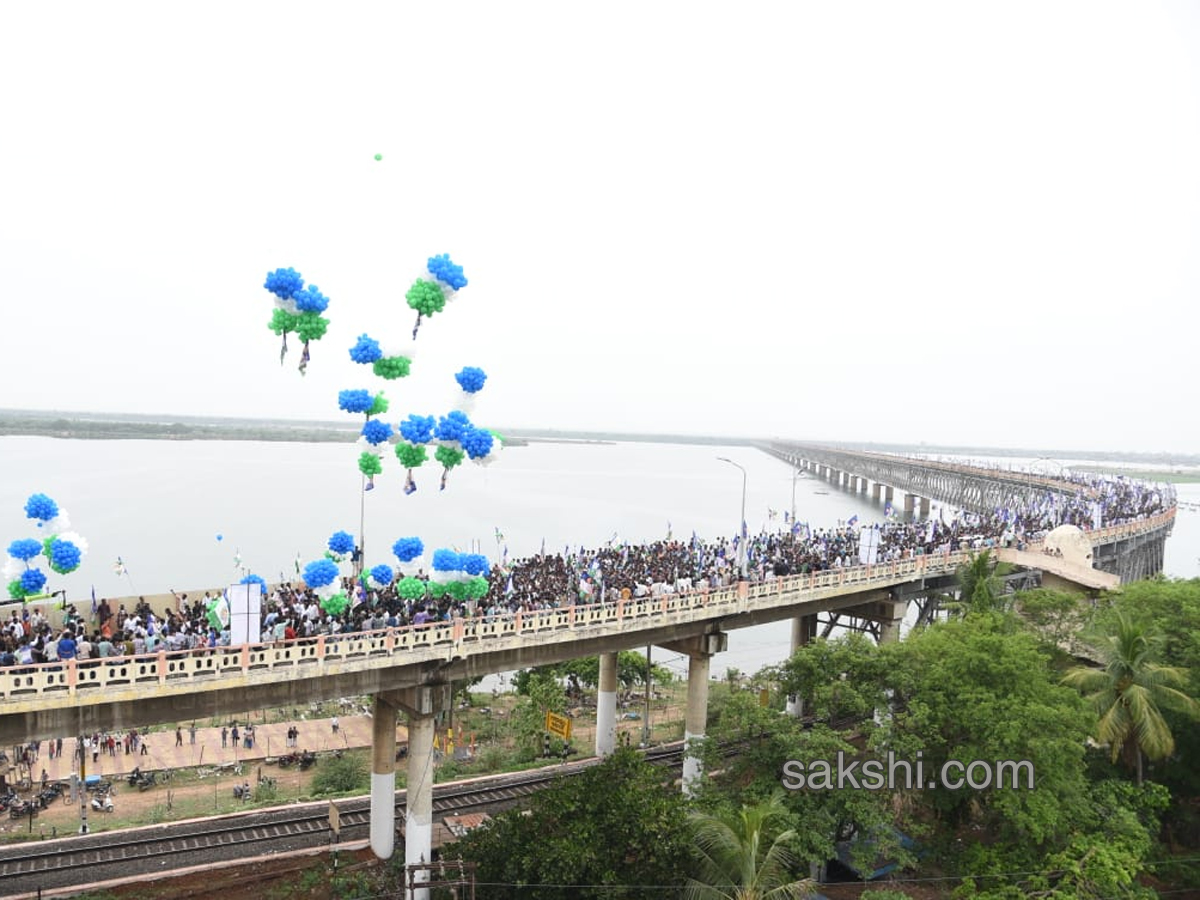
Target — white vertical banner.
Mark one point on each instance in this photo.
(868, 545)
(1097, 515)
(245, 613)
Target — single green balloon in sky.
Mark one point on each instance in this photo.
(378, 157)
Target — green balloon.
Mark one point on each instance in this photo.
(310, 326)
(457, 589)
(426, 297)
(392, 367)
(378, 157)
(449, 457)
(336, 604)
(477, 588)
(411, 455)
(378, 406)
(436, 590)
(410, 588)
(15, 591)
(282, 321)
(369, 464)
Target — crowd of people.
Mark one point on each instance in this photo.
(605, 574)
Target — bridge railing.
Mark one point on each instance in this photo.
(326, 654)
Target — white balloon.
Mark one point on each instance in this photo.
(288, 305)
(410, 568)
(466, 402)
(60, 523)
(13, 568)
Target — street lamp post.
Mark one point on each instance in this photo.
(742, 536)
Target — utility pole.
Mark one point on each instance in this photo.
(649, 678)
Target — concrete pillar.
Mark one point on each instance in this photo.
(383, 777)
(889, 623)
(889, 493)
(696, 719)
(862, 485)
(606, 706)
(418, 812)
(835, 477)
(876, 491)
(924, 507)
(804, 629)
(910, 504)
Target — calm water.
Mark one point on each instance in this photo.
(160, 505)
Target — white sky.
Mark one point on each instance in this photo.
(952, 222)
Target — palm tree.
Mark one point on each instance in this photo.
(980, 587)
(740, 860)
(1129, 690)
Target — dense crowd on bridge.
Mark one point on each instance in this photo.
(606, 574)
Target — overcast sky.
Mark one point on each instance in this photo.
(950, 222)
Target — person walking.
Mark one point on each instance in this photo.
(334, 722)
(224, 737)
(178, 737)
(192, 734)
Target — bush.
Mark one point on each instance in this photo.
(344, 775)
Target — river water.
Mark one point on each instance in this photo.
(160, 505)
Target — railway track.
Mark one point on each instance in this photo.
(63, 863)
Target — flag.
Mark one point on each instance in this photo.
(612, 539)
(668, 530)
(119, 568)
(888, 509)
(93, 600)
(771, 514)
(508, 588)
(499, 536)
(504, 557)
(852, 521)
(795, 528)
(409, 484)
(745, 529)
(542, 552)
(297, 562)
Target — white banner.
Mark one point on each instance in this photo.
(245, 613)
(868, 545)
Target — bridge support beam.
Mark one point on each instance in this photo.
(383, 776)
(700, 651)
(910, 504)
(924, 507)
(876, 491)
(421, 704)
(889, 494)
(889, 624)
(606, 706)
(804, 629)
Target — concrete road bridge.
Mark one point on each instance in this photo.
(981, 490)
(409, 669)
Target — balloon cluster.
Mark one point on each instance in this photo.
(374, 434)
(471, 380)
(324, 579)
(389, 363)
(434, 288)
(297, 309)
(462, 576)
(380, 576)
(63, 549)
(340, 543)
(409, 551)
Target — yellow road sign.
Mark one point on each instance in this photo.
(335, 819)
(560, 726)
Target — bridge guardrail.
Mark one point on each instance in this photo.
(76, 678)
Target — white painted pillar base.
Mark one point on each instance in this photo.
(383, 778)
(606, 706)
(418, 813)
(383, 814)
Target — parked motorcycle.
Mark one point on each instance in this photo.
(103, 803)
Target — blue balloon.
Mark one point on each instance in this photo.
(366, 350)
(471, 379)
(256, 579)
(220, 537)
(32, 580)
(341, 542)
(284, 282)
(320, 573)
(376, 432)
(311, 300)
(407, 549)
(64, 556)
(41, 507)
(25, 549)
(477, 442)
(382, 574)
(441, 268)
(475, 564)
(418, 429)
(447, 561)
(355, 401)
(451, 427)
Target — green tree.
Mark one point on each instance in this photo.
(599, 834)
(980, 587)
(1130, 690)
(543, 694)
(745, 854)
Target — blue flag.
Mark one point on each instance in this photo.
(852, 521)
